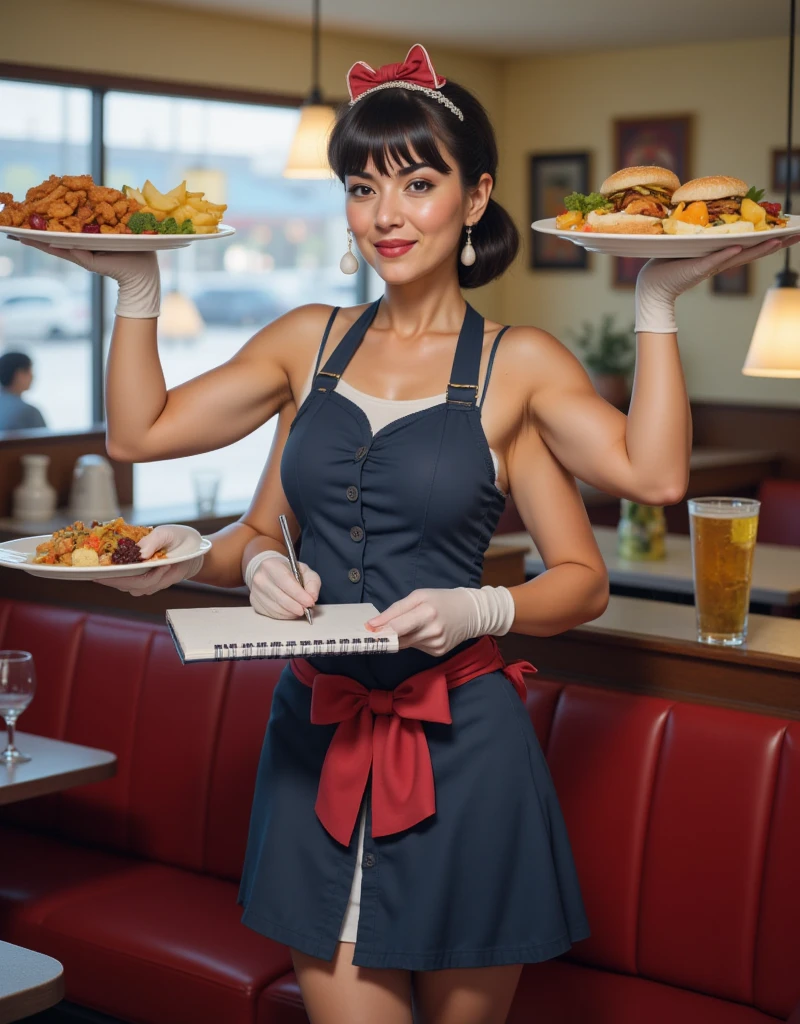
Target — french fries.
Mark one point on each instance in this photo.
(180, 204)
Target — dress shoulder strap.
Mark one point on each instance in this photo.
(327, 378)
(499, 335)
(462, 390)
(328, 326)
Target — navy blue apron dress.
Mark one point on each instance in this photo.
(488, 879)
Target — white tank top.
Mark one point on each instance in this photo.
(382, 411)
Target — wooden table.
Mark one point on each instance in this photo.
(776, 567)
(29, 982)
(54, 766)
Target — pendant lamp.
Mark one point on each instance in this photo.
(308, 156)
(775, 347)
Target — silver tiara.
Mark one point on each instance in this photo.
(435, 93)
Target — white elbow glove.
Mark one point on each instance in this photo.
(273, 589)
(436, 621)
(661, 281)
(160, 576)
(136, 273)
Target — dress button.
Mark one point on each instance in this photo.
(354, 575)
(368, 860)
(356, 533)
(352, 493)
(361, 452)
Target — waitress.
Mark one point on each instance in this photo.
(406, 840)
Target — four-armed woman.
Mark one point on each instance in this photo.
(406, 840)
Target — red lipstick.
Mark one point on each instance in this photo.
(392, 247)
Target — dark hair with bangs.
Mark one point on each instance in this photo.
(404, 126)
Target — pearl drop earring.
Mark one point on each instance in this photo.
(468, 253)
(349, 262)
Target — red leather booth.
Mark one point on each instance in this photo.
(684, 819)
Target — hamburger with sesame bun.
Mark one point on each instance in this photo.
(637, 201)
(632, 201)
(719, 204)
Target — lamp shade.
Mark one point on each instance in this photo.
(179, 317)
(775, 348)
(308, 156)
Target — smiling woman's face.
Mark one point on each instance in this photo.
(407, 223)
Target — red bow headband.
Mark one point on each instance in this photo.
(415, 73)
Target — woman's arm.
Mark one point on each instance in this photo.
(148, 422)
(643, 456)
(574, 587)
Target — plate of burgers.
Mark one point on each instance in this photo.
(646, 212)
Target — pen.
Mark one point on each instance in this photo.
(293, 560)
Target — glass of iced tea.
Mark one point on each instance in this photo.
(723, 542)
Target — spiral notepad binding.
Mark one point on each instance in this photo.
(302, 648)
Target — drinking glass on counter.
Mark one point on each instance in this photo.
(206, 486)
(17, 687)
(723, 533)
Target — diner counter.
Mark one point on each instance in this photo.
(712, 471)
(651, 647)
(227, 512)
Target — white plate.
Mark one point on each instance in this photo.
(191, 545)
(648, 246)
(113, 243)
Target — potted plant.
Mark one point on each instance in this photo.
(609, 356)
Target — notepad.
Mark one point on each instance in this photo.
(233, 634)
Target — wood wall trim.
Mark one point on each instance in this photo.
(163, 86)
(63, 450)
(764, 427)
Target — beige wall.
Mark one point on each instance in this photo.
(737, 92)
(220, 50)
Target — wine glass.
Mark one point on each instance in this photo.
(17, 687)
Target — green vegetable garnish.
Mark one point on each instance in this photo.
(187, 228)
(585, 204)
(140, 222)
(169, 226)
(756, 194)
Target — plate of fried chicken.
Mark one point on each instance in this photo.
(72, 212)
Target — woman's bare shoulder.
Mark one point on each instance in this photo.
(309, 321)
(541, 356)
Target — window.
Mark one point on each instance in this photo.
(44, 302)
(290, 236)
(289, 239)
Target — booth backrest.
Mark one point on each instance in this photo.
(779, 515)
(683, 817)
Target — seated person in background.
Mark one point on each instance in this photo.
(16, 376)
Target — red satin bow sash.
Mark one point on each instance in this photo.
(382, 730)
(416, 68)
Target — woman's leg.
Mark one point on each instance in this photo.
(479, 995)
(338, 992)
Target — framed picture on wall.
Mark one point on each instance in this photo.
(779, 170)
(626, 270)
(665, 141)
(553, 176)
(735, 281)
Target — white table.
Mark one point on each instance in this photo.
(54, 765)
(29, 982)
(776, 567)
